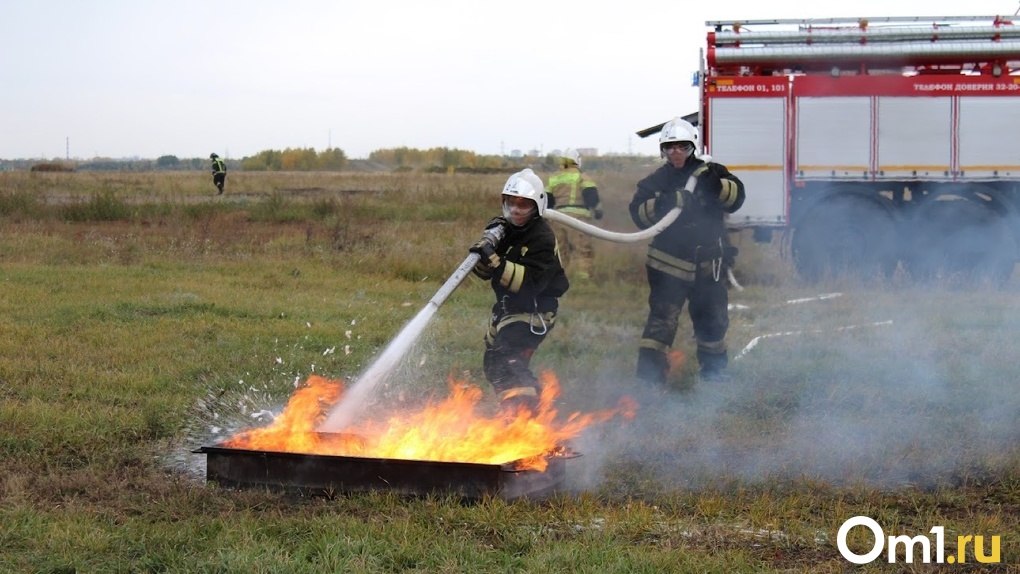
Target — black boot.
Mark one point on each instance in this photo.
(652, 367)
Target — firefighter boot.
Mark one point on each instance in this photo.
(713, 367)
(517, 399)
(652, 367)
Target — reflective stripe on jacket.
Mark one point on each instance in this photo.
(567, 187)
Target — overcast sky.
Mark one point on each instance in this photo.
(122, 78)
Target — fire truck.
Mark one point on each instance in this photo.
(875, 144)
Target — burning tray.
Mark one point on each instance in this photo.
(318, 474)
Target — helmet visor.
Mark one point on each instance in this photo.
(519, 210)
(686, 148)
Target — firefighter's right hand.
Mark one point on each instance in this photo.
(667, 201)
(487, 251)
(498, 221)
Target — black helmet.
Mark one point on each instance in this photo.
(213, 156)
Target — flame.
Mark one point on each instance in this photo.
(675, 359)
(450, 430)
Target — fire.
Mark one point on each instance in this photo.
(676, 359)
(450, 430)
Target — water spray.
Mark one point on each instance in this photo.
(344, 413)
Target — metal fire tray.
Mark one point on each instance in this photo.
(328, 474)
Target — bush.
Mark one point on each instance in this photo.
(55, 166)
(20, 204)
(104, 206)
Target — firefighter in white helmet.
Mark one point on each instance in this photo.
(575, 194)
(527, 278)
(688, 261)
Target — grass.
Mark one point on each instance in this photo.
(129, 340)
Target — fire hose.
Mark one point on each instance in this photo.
(345, 412)
(617, 237)
(496, 233)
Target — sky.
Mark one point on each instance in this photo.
(123, 78)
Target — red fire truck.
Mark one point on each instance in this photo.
(876, 142)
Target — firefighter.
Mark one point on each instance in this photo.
(527, 278)
(574, 194)
(688, 261)
(219, 172)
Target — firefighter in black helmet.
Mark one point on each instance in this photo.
(688, 261)
(219, 172)
(527, 278)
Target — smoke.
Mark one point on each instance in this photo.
(914, 396)
(920, 392)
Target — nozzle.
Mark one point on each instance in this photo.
(494, 234)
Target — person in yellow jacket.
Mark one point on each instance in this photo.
(575, 194)
(219, 172)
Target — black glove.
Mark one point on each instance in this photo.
(489, 257)
(498, 221)
(666, 201)
(482, 270)
(597, 213)
(709, 187)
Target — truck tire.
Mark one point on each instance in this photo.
(847, 234)
(960, 239)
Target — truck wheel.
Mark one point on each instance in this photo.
(960, 239)
(847, 235)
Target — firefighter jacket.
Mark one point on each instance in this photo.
(218, 166)
(572, 193)
(698, 236)
(529, 279)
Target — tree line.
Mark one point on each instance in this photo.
(438, 159)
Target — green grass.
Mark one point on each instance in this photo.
(126, 343)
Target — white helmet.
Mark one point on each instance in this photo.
(679, 130)
(525, 184)
(570, 155)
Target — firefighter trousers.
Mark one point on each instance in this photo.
(509, 345)
(707, 301)
(576, 249)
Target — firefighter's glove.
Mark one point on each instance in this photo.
(709, 188)
(487, 251)
(498, 221)
(666, 201)
(597, 213)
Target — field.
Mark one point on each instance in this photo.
(143, 317)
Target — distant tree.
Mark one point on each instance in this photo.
(167, 161)
(333, 159)
(267, 160)
(296, 159)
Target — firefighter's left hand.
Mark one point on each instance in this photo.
(709, 187)
(666, 201)
(597, 213)
(489, 257)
